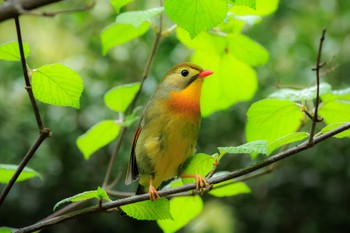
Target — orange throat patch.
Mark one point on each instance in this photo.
(187, 101)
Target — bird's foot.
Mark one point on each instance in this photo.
(201, 183)
(153, 193)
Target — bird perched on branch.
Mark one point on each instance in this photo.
(168, 130)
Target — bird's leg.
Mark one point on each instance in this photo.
(201, 183)
(153, 194)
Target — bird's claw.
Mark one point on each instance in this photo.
(201, 182)
(153, 193)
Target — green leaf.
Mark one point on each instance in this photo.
(290, 138)
(99, 194)
(228, 188)
(7, 230)
(335, 111)
(259, 147)
(196, 16)
(117, 34)
(97, 136)
(247, 50)
(57, 84)
(10, 51)
(149, 210)
(205, 42)
(301, 95)
(183, 210)
(200, 164)
(130, 119)
(271, 119)
(136, 18)
(117, 4)
(343, 94)
(128, 26)
(232, 81)
(262, 8)
(173, 184)
(119, 98)
(333, 126)
(8, 170)
(247, 3)
(234, 24)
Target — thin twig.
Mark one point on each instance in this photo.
(148, 64)
(317, 69)
(22, 165)
(44, 132)
(164, 193)
(215, 166)
(26, 76)
(115, 181)
(114, 157)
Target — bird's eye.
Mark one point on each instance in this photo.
(184, 73)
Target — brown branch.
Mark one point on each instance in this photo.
(22, 11)
(119, 194)
(315, 118)
(163, 193)
(9, 9)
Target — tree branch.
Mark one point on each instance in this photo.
(163, 193)
(54, 13)
(10, 9)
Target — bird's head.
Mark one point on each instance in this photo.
(182, 86)
(183, 75)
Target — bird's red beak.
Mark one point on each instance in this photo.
(205, 73)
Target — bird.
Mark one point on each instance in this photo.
(168, 130)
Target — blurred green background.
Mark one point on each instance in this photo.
(309, 192)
